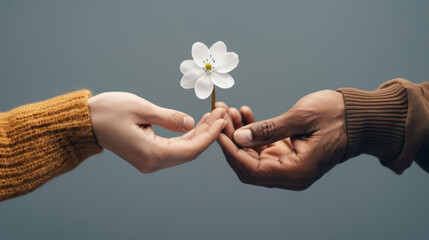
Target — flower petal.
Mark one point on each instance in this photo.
(200, 52)
(222, 80)
(190, 78)
(226, 62)
(203, 87)
(217, 49)
(187, 65)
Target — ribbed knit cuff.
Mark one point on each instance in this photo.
(376, 121)
(42, 140)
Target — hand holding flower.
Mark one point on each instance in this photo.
(290, 151)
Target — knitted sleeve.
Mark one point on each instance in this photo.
(42, 140)
(391, 123)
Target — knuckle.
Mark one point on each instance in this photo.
(145, 106)
(306, 119)
(150, 112)
(206, 115)
(190, 153)
(176, 119)
(398, 79)
(266, 129)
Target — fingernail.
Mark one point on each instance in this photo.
(243, 136)
(188, 123)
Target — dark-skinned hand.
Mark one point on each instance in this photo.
(290, 151)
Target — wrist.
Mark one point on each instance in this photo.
(375, 121)
(94, 119)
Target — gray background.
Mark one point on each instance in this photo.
(287, 49)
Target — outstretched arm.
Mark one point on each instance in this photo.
(325, 128)
(42, 140)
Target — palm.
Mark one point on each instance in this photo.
(274, 151)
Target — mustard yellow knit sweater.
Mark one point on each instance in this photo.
(42, 140)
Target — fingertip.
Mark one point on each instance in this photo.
(222, 112)
(224, 123)
(221, 105)
(188, 122)
(243, 136)
(245, 109)
(247, 113)
(234, 112)
(219, 112)
(233, 109)
(236, 117)
(220, 124)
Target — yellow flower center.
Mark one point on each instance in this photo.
(208, 66)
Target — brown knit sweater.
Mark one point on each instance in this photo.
(391, 123)
(42, 140)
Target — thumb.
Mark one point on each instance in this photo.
(271, 130)
(170, 119)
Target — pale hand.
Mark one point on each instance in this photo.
(122, 122)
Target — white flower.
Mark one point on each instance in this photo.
(208, 67)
